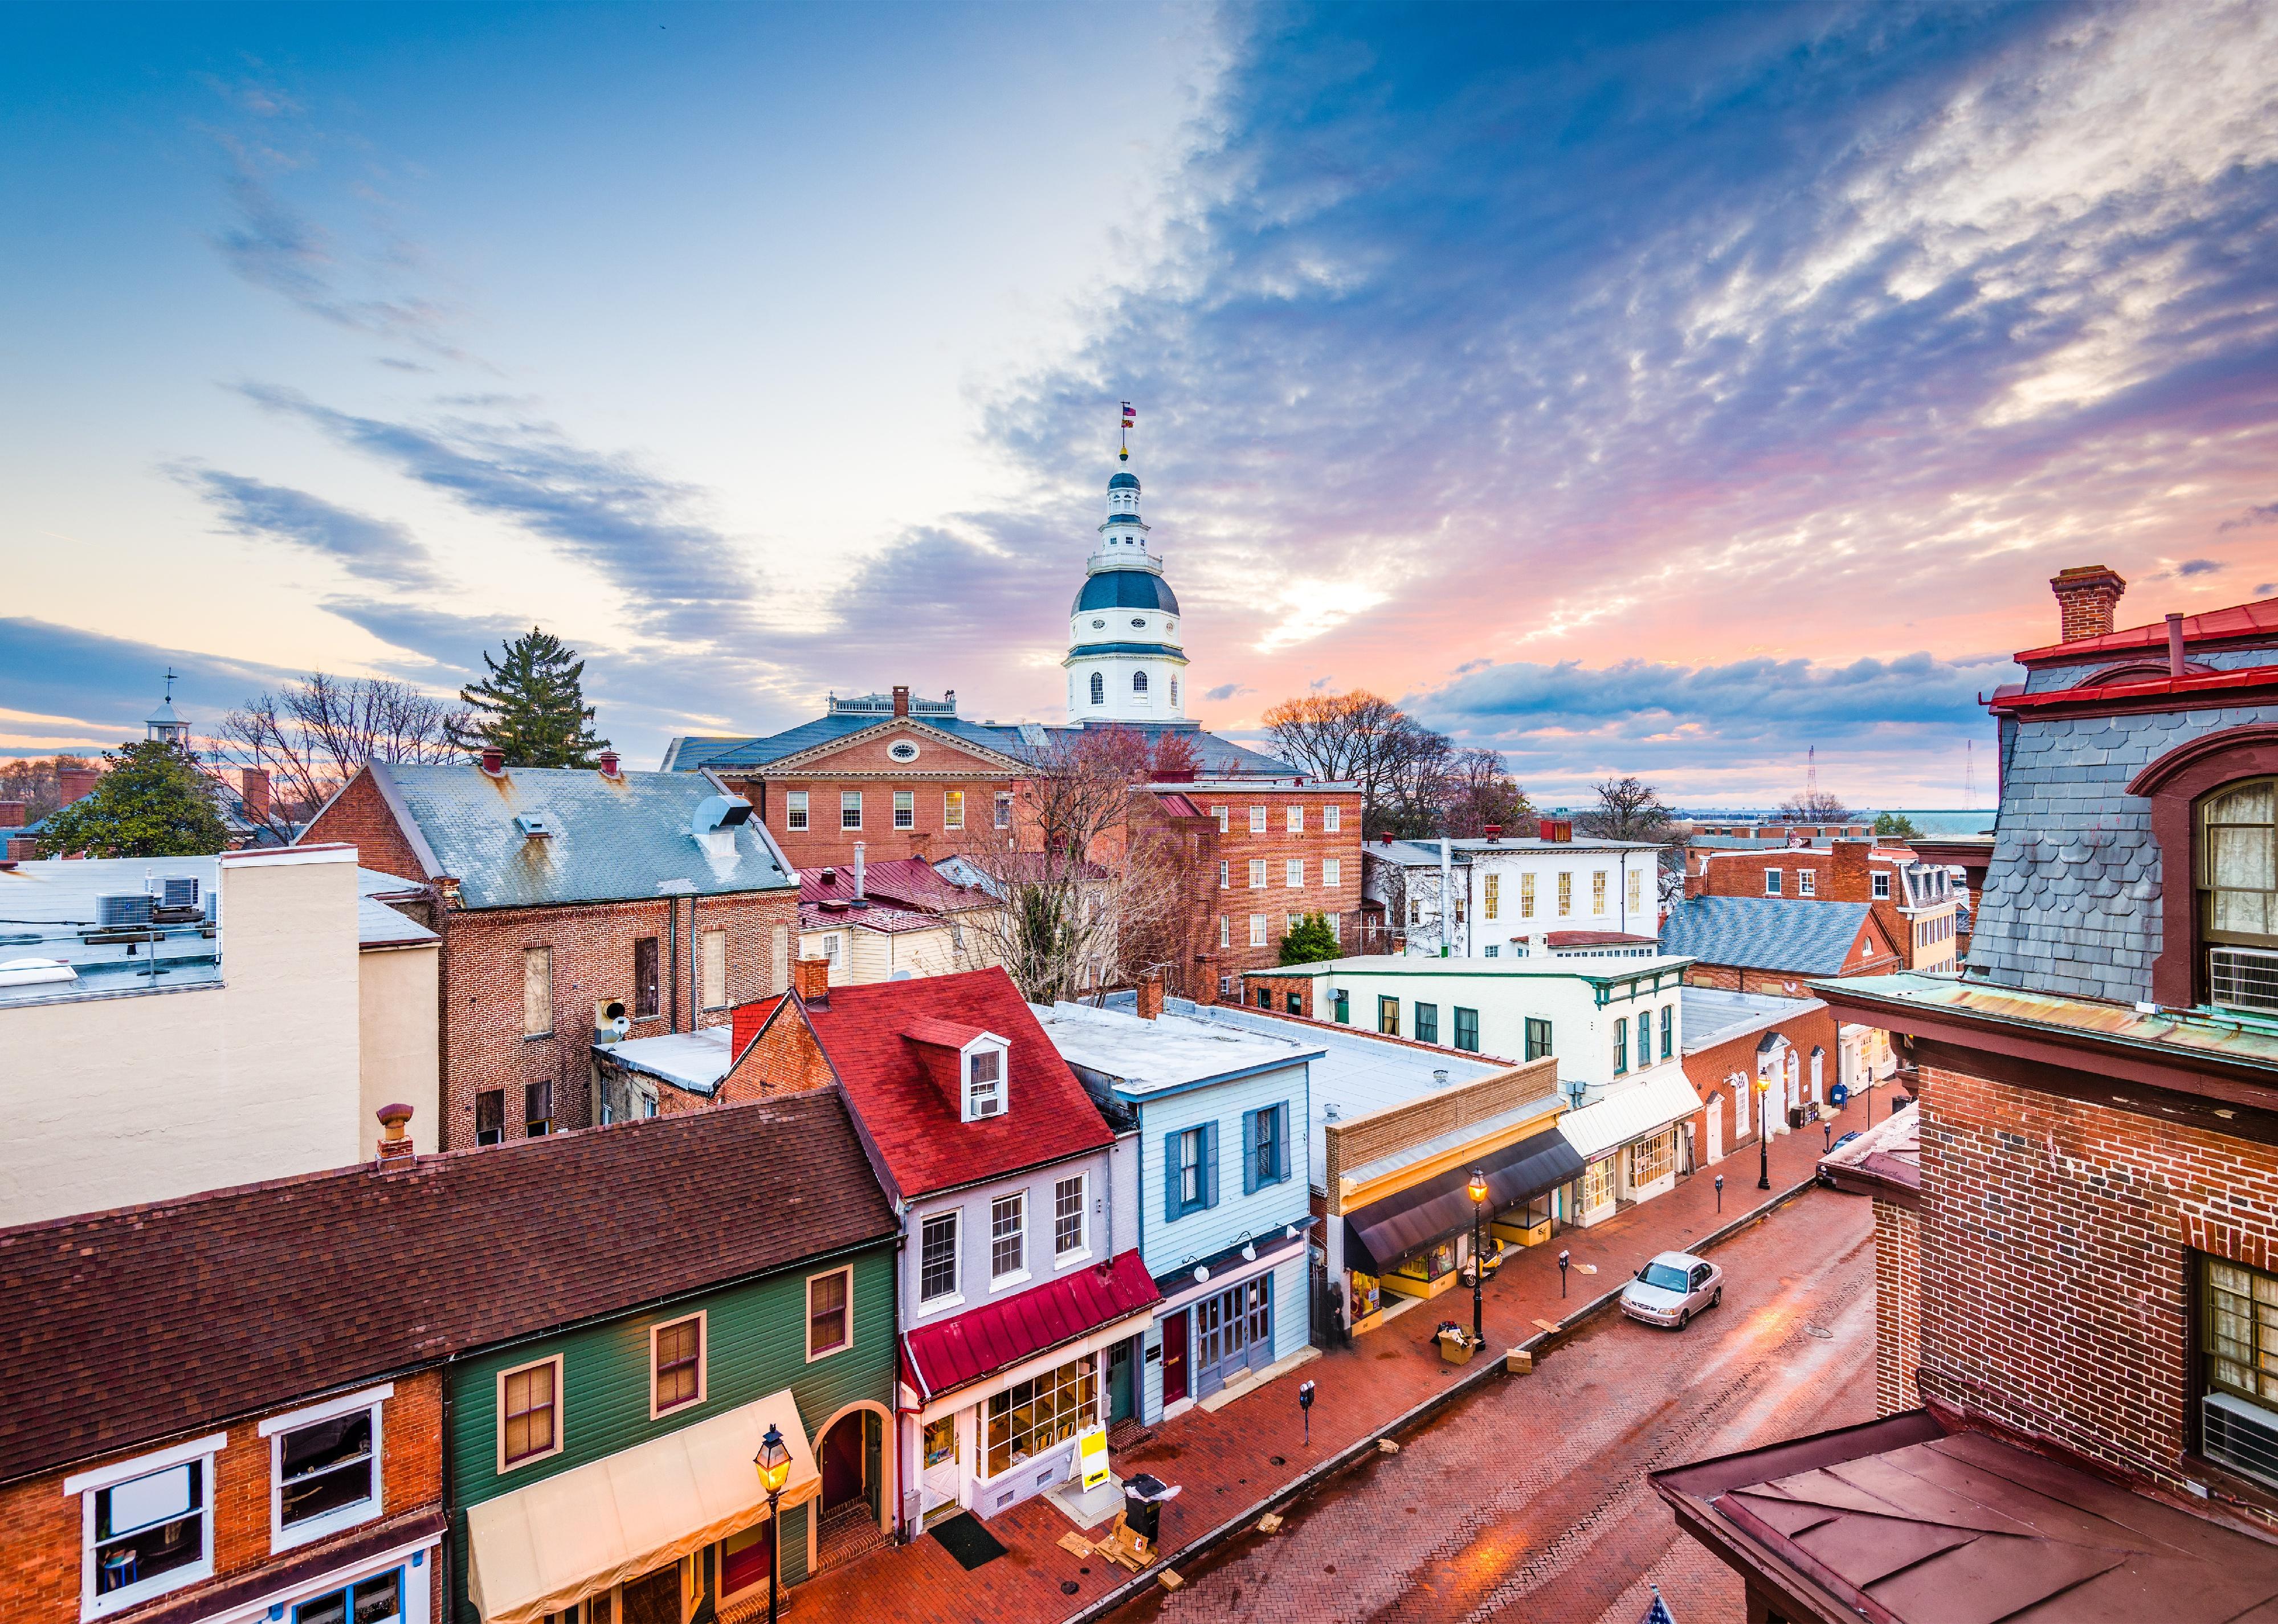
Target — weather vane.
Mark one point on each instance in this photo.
(1129, 417)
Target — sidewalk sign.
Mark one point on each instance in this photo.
(1092, 1455)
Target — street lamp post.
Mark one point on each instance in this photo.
(1764, 1134)
(774, 1464)
(1478, 1188)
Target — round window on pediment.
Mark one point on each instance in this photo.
(903, 750)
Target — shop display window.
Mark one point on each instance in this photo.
(1030, 1417)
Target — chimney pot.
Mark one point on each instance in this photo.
(394, 1145)
(2086, 595)
(2174, 645)
(252, 790)
(609, 763)
(495, 763)
(11, 814)
(901, 699)
(811, 980)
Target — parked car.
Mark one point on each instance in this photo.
(1673, 1288)
(1824, 1176)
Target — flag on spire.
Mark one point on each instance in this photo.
(1658, 1612)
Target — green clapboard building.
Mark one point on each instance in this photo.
(723, 1272)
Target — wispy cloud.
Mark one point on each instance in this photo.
(376, 549)
(92, 691)
(2261, 513)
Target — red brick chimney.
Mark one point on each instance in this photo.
(393, 1145)
(252, 790)
(22, 848)
(495, 763)
(1150, 996)
(901, 699)
(11, 814)
(2086, 594)
(1848, 881)
(810, 978)
(75, 783)
(610, 762)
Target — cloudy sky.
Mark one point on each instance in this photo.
(1631, 389)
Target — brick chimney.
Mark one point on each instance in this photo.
(810, 978)
(901, 699)
(2086, 594)
(75, 783)
(1848, 881)
(252, 790)
(1150, 996)
(22, 848)
(394, 1143)
(11, 814)
(610, 764)
(495, 763)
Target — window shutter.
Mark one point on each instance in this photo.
(1210, 1164)
(1250, 1151)
(1282, 1141)
(1170, 1176)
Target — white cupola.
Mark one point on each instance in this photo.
(1125, 661)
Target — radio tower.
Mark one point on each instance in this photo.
(1811, 776)
(1969, 775)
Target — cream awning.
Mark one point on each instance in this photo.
(542, 1549)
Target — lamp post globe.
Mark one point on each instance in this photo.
(1478, 1194)
(772, 1463)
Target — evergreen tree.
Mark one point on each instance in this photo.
(151, 801)
(1898, 825)
(531, 706)
(1310, 942)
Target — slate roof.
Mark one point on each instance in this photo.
(1018, 740)
(613, 840)
(1767, 933)
(152, 1320)
(912, 1124)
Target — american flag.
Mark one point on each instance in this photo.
(1658, 1612)
(1129, 415)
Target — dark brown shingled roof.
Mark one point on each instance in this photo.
(148, 1321)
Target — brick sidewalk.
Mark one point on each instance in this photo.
(1226, 1460)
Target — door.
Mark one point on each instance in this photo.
(1119, 1406)
(1260, 1311)
(1174, 1358)
(938, 1463)
(1717, 1129)
(842, 1463)
(655, 1598)
(1209, 1335)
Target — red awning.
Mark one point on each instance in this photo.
(998, 1335)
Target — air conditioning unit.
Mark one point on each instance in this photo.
(2244, 978)
(128, 911)
(182, 893)
(2240, 1434)
(610, 1022)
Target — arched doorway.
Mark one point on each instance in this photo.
(848, 1457)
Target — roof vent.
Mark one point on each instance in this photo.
(534, 825)
(1329, 1112)
(495, 763)
(1438, 1077)
(831, 876)
(714, 813)
(612, 764)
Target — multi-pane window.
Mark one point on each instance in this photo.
(147, 1528)
(1267, 1165)
(711, 954)
(2239, 1321)
(1224, 874)
(490, 1116)
(2238, 894)
(1537, 1039)
(849, 808)
(905, 808)
(644, 977)
(1494, 896)
(1598, 892)
(1772, 881)
(1194, 1169)
(1098, 688)
(1008, 1235)
(327, 1470)
(829, 1322)
(1427, 1022)
(537, 1108)
(1331, 819)
(985, 1090)
(1257, 820)
(1621, 1045)
(1257, 930)
(1654, 1158)
(1257, 873)
(1293, 873)
(937, 1257)
(1296, 820)
(1467, 1029)
(679, 1374)
(1030, 1417)
(1333, 871)
(1807, 882)
(1637, 891)
(952, 809)
(376, 1600)
(1882, 887)
(1290, 922)
(527, 1412)
(1003, 809)
(1668, 1032)
(795, 810)
(1388, 1016)
(1565, 895)
(536, 991)
(1219, 813)
(1526, 896)
(1068, 1216)
(1225, 931)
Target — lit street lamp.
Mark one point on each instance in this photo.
(774, 1464)
(1764, 1134)
(1478, 1188)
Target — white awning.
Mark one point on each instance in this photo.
(543, 1549)
(1630, 1113)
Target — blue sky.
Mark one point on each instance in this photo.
(1643, 389)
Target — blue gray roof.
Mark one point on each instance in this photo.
(1768, 933)
(1125, 589)
(734, 755)
(612, 839)
(379, 925)
(1123, 480)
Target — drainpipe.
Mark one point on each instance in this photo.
(695, 968)
(2174, 645)
(672, 946)
(1447, 897)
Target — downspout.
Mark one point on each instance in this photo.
(695, 968)
(1447, 897)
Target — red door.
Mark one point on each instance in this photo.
(842, 1462)
(1174, 1358)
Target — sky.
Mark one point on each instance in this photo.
(1629, 389)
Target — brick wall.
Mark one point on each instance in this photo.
(40, 1571)
(1186, 849)
(1844, 874)
(484, 1046)
(825, 843)
(1276, 847)
(2055, 1283)
(784, 1059)
(359, 816)
(1897, 1307)
(1364, 1138)
(1278, 988)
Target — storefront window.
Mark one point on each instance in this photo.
(375, 1601)
(1030, 1417)
(1365, 1298)
(941, 1441)
(746, 1560)
(1652, 1159)
(1598, 1184)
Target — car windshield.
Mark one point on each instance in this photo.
(1667, 1276)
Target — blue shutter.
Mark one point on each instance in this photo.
(1282, 1141)
(1250, 1151)
(1210, 1164)
(1170, 1176)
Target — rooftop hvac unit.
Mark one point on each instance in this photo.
(181, 892)
(2243, 979)
(128, 911)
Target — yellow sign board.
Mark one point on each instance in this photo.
(1092, 1455)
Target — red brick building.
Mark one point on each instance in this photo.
(1752, 1055)
(1914, 904)
(568, 901)
(1285, 848)
(2084, 1289)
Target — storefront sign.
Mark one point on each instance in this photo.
(1091, 1456)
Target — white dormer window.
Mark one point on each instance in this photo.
(984, 1083)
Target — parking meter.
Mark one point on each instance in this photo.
(1720, 1192)
(1563, 1257)
(1306, 1407)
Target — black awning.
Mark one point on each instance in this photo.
(1381, 1235)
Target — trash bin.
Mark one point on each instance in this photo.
(1143, 1494)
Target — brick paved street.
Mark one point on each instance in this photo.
(1226, 1461)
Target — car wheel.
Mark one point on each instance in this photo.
(1685, 1318)
(1716, 1299)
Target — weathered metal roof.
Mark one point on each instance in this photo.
(612, 839)
(1770, 933)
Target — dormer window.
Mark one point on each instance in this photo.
(2238, 895)
(984, 1083)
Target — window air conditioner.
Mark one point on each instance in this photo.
(2244, 978)
(2241, 1435)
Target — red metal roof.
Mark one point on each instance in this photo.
(2140, 693)
(2260, 619)
(907, 882)
(865, 1032)
(998, 1335)
(746, 1020)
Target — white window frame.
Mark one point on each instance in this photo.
(988, 1043)
(955, 1295)
(1081, 1249)
(1293, 874)
(711, 940)
(795, 812)
(1295, 819)
(849, 800)
(1258, 931)
(498, 1414)
(952, 809)
(1225, 875)
(1333, 871)
(1257, 873)
(1257, 820)
(703, 1362)
(284, 1538)
(85, 1485)
(1011, 1276)
(1331, 819)
(1882, 885)
(806, 1331)
(1807, 882)
(1225, 931)
(905, 808)
(1219, 813)
(1774, 884)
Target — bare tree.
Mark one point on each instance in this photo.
(316, 734)
(34, 782)
(1630, 809)
(1364, 738)
(1478, 792)
(1814, 806)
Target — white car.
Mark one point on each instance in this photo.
(1673, 1288)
